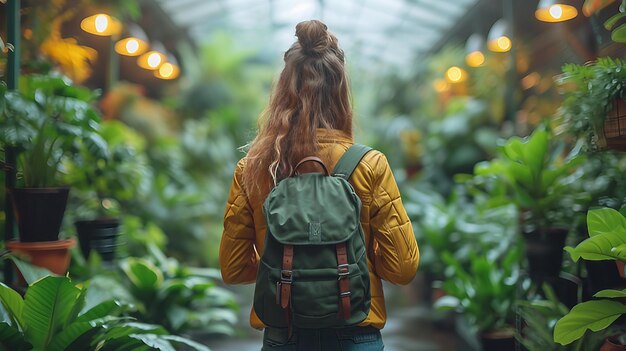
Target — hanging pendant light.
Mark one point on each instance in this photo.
(456, 74)
(475, 48)
(101, 24)
(499, 38)
(135, 44)
(168, 70)
(154, 58)
(555, 11)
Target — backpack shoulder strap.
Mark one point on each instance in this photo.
(350, 160)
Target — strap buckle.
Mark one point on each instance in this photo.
(343, 270)
(286, 276)
(345, 294)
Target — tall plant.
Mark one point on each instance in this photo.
(43, 121)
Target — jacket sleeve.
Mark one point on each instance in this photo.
(396, 254)
(237, 256)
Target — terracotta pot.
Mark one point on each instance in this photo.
(611, 344)
(620, 267)
(53, 255)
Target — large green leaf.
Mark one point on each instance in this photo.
(68, 335)
(619, 34)
(593, 315)
(12, 339)
(99, 311)
(47, 306)
(610, 293)
(13, 304)
(610, 23)
(186, 341)
(605, 220)
(599, 248)
(154, 341)
(144, 275)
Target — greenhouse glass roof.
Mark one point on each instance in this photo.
(388, 32)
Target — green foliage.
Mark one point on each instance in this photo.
(593, 315)
(485, 293)
(120, 174)
(49, 317)
(459, 227)
(607, 237)
(44, 121)
(179, 298)
(53, 316)
(536, 178)
(589, 91)
(607, 231)
(539, 318)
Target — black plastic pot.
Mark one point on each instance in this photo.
(498, 341)
(100, 235)
(602, 275)
(39, 212)
(544, 252)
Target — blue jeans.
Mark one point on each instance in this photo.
(344, 339)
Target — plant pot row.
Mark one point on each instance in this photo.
(39, 213)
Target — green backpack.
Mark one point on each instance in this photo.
(313, 272)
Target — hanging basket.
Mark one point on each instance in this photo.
(613, 135)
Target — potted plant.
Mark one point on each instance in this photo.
(607, 241)
(485, 294)
(100, 182)
(593, 108)
(43, 121)
(538, 183)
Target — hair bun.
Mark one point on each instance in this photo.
(313, 37)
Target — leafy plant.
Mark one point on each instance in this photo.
(607, 237)
(43, 121)
(538, 320)
(537, 180)
(52, 316)
(178, 297)
(589, 91)
(119, 174)
(485, 292)
(458, 226)
(607, 241)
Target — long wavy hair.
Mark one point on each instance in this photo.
(312, 92)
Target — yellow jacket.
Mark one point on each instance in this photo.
(393, 255)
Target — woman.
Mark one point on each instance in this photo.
(310, 114)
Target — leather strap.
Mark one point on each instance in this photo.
(310, 159)
(343, 270)
(286, 278)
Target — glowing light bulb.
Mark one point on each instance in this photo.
(475, 59)
(455, 74)
(101, 23)
(154, 60)
(504, 43)
(556, 11)
(441, 86)
(132, 46)
(166, 70)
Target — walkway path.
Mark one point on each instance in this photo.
(410, 326)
